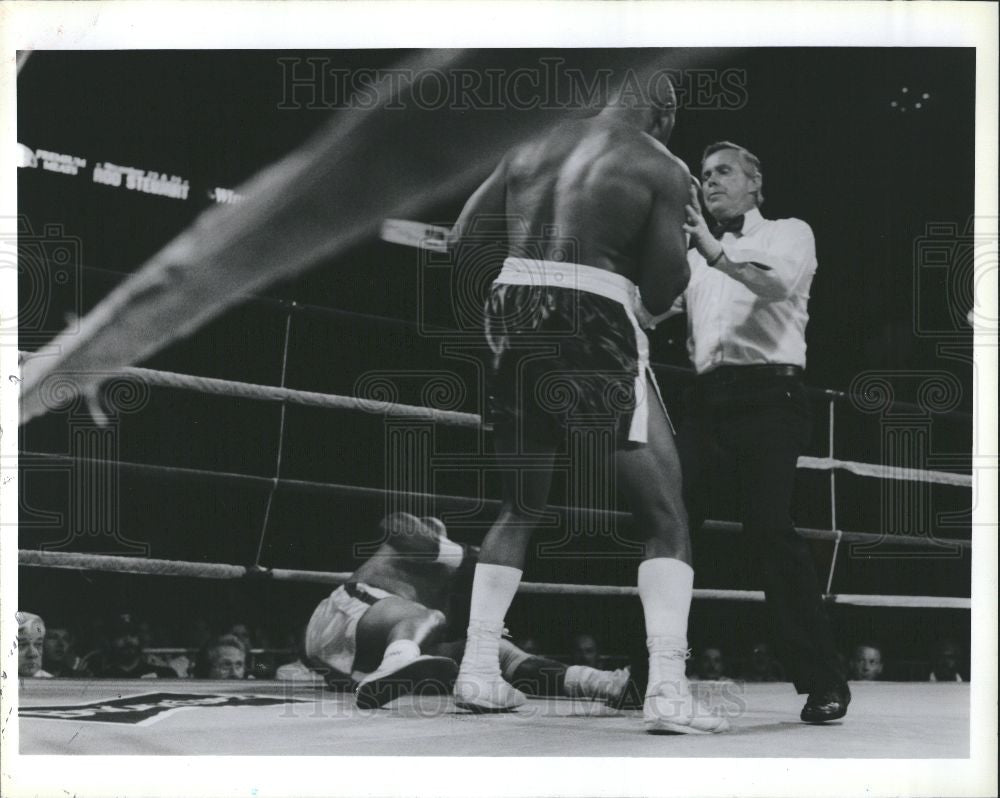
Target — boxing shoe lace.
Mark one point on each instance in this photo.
(670, 707)
(479, 686)
(486, 693)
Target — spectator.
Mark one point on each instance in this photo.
(711, 665)
(762, 666)
(866, 663)
(60, 652)
(586, 651)
(260, 667)
(30, 646)
(222, 658)
(241, 631)
(944, 662)
(123, 657)
(150, 638)
(194, 634)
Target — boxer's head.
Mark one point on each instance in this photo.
(664, 102)
(731, 180)
(647, 98)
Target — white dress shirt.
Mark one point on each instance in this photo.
(751, 310)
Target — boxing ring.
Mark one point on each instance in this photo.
(886, 720)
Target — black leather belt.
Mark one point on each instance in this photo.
(728, 375)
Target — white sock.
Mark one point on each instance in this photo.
(582, 681)
(665, 589)
(493, 590)
(398, 651)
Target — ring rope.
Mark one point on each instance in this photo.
(276, 479)
(886, 472)
(152, 567)
(467, 503)
(829, 394)
(246, 390)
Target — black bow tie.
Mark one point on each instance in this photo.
(734, 225)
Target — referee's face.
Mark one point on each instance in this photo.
(727, 188)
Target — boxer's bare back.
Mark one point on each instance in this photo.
(600, 191)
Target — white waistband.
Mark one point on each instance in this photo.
(522, 271)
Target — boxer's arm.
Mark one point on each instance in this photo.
(470, 556)
(461, 578)
(772, 274)
(482, 218)
(676, 309)
(664, 268)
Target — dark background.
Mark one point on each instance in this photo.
(868, 177)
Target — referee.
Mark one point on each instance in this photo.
(746, 308)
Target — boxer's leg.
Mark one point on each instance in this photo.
(394, 620)
(498, 572)
(547, 677)
(395, 631)
(650, 479)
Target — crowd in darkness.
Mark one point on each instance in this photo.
(124, 647)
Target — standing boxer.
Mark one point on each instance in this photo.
(593, 215)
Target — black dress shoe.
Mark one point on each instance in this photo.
(829, 703)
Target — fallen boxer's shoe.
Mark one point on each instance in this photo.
(423, 672)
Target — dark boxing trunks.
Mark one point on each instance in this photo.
(568, 351)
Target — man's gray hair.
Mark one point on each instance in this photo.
(749, 162)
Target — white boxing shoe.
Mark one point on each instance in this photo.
(481, 693)
(670, 708)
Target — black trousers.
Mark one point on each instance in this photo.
(760, 423)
